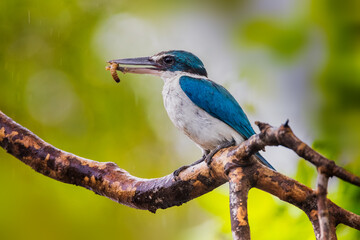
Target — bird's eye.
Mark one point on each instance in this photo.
(168, 60)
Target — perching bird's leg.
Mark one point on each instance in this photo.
(208, 158)
(180, 169)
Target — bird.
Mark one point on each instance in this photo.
(202, 109)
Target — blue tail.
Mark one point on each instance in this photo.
(263, 161)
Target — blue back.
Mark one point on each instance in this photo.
(219, 103)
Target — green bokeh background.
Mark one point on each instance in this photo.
(53, 82)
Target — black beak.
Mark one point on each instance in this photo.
(147, 61)
(154, 68)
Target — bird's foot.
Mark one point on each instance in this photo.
(180, 169)
(209, 157)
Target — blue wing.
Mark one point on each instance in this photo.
(219, 103)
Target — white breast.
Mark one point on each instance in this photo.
(206, 131)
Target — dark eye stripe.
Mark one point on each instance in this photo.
(168, 60)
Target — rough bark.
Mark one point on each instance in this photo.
(239, 185)
(234, 164)
(327, 230)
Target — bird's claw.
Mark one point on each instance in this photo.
(180, 169)
(209, 157)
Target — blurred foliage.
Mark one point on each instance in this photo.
(53, 82)
(283, 41)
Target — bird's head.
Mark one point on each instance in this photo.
(174, 61)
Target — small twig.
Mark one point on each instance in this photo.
(342, 216)
(284, 136)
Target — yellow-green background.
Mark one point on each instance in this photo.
(297, 59)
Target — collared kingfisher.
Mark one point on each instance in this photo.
(202, 109)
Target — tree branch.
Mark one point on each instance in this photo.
(239, 185)
(327, 230)
(284, 136)
(107, 179)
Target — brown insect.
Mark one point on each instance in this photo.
(113, 67)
